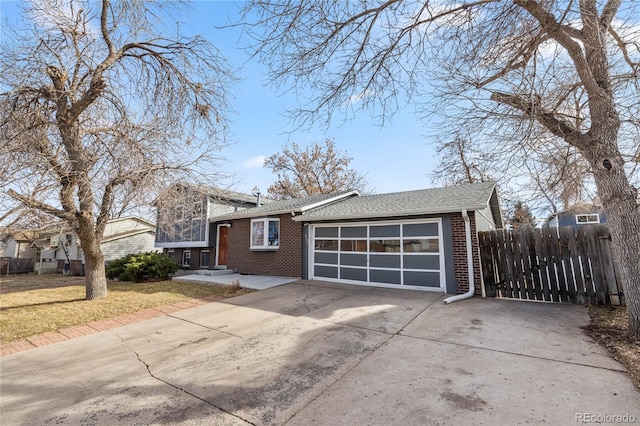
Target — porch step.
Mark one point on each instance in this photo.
(212, 272)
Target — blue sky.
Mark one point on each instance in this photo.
(396, 157)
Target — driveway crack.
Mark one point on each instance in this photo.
(207, 327)
(178, 388)
(304, 301)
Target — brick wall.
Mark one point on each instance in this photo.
(460, 253)
(285, 261)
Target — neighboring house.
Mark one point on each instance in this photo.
(122, 236)
(128, 235)
(184, 215)
(16, 252)
(18, 245)
(415, 239)
(578, 215)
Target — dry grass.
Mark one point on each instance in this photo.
(32, 305)
(608, 327)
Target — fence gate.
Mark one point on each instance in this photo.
(551, 264)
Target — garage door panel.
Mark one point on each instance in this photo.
(420, 230)
(327, 232)
(384, 261)
(384, 231)
(325, 271)
(385, 276)
(353, 232)
(353, 259)
(422, 279)
(431, 261)
(330, 258)
(353, 274)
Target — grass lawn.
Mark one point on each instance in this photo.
(32, 304)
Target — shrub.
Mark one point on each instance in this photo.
(141, 267)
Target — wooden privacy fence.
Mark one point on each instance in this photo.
(551, 264)
(10, 265)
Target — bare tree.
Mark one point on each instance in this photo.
(461, 162)
(101, 107)
(568, 67)
(560, 178)
(520, 215)
(318, 169)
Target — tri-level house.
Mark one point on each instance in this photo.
(184, 229)
(422, 239)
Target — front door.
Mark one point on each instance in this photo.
(223, 232)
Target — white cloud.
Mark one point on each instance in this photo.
(255, 162)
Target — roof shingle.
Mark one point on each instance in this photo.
(296, 205)
(474, 196)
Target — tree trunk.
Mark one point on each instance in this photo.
(619, 200)
(95, 278)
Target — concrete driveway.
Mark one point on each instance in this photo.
(317, 353)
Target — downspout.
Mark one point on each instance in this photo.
(472, 287)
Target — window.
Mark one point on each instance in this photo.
(583, 219)
(186, 258)
(265, 233)
(204, 259)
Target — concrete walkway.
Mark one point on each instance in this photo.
(316, 353)
(254, 282)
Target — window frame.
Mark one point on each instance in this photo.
(184, 252)
(265, 236)
(202, 253)
(588, 217)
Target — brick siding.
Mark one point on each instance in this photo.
(285, 261)
(460, 253)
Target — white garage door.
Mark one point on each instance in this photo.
(390, 254)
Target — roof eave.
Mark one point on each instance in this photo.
(387, 214)
(328, 201)
(251, 214)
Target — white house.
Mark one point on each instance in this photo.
(122, 236)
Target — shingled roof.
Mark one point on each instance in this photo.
(296, 205)
(476, 196)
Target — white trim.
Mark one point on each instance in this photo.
(265, 237)
(588, 222)
(394, 213)
(327, 201)
(441, 253)
(382, 285)
(186, 244)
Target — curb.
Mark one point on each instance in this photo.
(61, 335)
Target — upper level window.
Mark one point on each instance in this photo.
(583, 219)
(265, 233)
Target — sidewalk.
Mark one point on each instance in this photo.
(9, 348)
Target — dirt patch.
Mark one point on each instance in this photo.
(609, 325)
